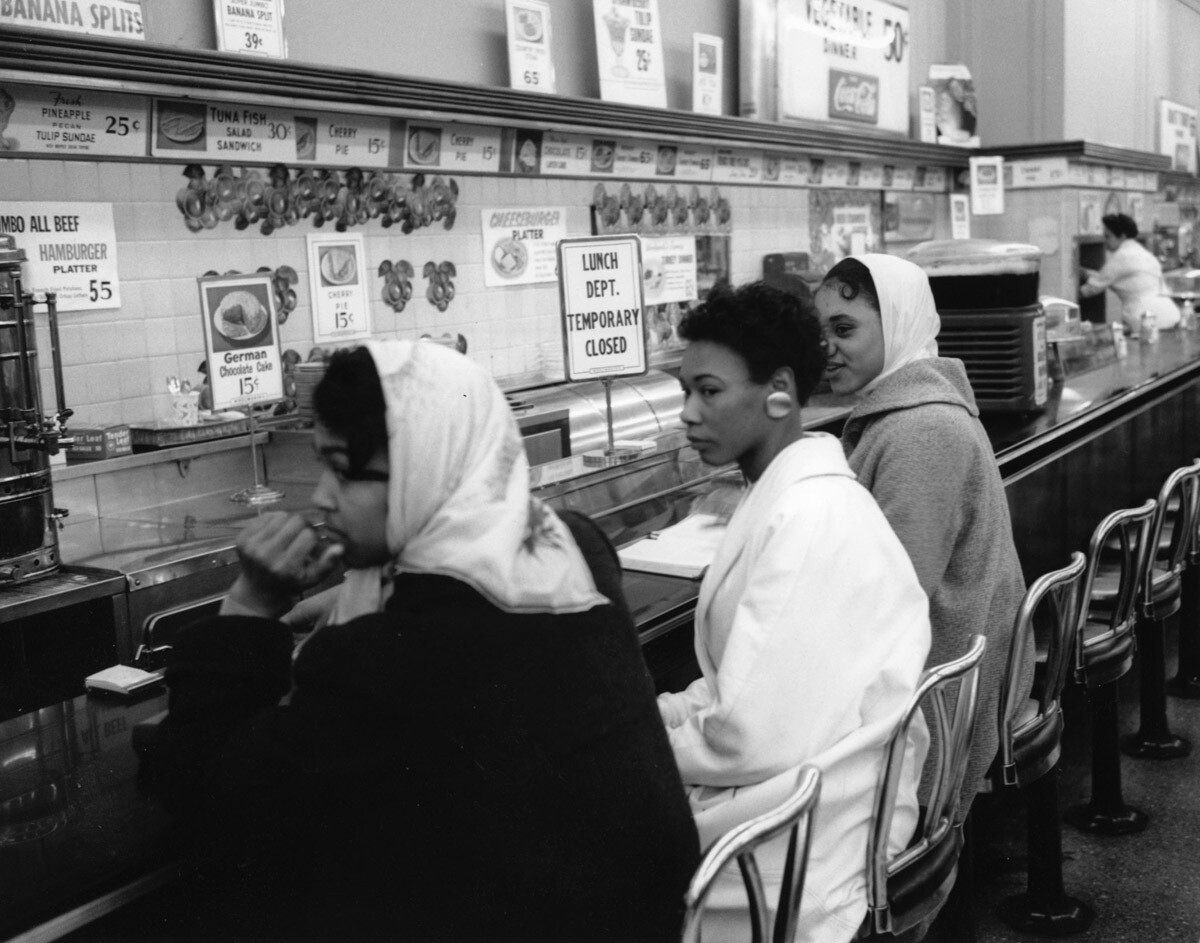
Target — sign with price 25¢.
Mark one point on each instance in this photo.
(241, 339)
(251, 27)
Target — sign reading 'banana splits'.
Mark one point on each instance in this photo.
(120, 18)
(843, 61)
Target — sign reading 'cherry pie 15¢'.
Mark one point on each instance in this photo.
(843, 61)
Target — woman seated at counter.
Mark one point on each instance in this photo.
(1133, 273)
(914, 439)
(811, 627)
(470, 748)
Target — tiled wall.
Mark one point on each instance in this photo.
(116, 361)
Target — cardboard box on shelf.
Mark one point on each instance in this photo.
(96, 442)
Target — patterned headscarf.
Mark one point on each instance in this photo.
(458, 494)
(910, 318)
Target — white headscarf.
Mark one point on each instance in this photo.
(458, 494)
(910, 318)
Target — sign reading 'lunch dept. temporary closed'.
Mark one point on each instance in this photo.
(604, 333)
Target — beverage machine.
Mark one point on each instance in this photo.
(28, 437)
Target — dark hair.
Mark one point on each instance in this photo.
(1121, 225)
(767, 327)
(852, 278)
(349, 402)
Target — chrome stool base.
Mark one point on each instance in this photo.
(1168, 747)
(1028, 913)
(1123, 820)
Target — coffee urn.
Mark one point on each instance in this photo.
(28, 518)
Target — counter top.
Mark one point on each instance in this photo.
(77, 838)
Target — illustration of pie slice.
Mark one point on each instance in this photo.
(338, 266)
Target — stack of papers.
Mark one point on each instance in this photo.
(121, 679)
(684, 549)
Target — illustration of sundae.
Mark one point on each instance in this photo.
(618, 28)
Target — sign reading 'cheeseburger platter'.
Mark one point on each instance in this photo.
(604, 332)
(843, 60)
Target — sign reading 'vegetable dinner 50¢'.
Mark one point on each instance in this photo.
(843, 62)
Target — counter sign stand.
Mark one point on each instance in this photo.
(241, 341)
(604, 328)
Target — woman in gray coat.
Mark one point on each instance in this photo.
(915, 441)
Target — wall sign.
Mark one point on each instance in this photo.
(530, 62)
(600, 283)
(423, 146)
(987, 186)
(71, 120)
(121, 19)
(250, 27)
(629, 52)
(71, 249)
(241, 339)
(1177, 134)
(708, 68)
(847, 62)
(223, 131)
(337, 268)
(520, 244)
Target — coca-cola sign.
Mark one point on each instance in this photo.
(853, 97)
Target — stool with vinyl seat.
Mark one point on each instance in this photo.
(1030, 746)
(1104, 647)
(792, 816)
(1160, 598)
(905, 893)
(1186, 682)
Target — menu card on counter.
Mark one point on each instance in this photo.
(71, 249)
(604, 331)
(250, 27)
(241, 339)
(684, 549)
(629, 52)
(337, 266)
(530, 63)
(223, 131)
(67, 120)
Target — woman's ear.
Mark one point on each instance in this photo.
(781, 400)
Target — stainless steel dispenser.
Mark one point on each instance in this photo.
(28, 518)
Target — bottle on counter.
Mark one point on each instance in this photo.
(1120, 345)
(1187, 315)
(1149, 328)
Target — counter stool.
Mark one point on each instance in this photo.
(1160, 598)
(1104, 647)
(791, 816)
(905, 893)
(1186, 682)
(1031, 744)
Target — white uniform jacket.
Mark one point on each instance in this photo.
(811, 633)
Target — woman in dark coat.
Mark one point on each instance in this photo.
(470, 748)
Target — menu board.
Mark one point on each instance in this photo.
(425, 146)
(520, 244)
(224, 131)
(241, 339)
(71, 249)
(604, 333)
(250, 27)
(337, 265)
(120, 19)
(629, 52)
(64, 120)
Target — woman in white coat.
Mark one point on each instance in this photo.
(811, 626)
